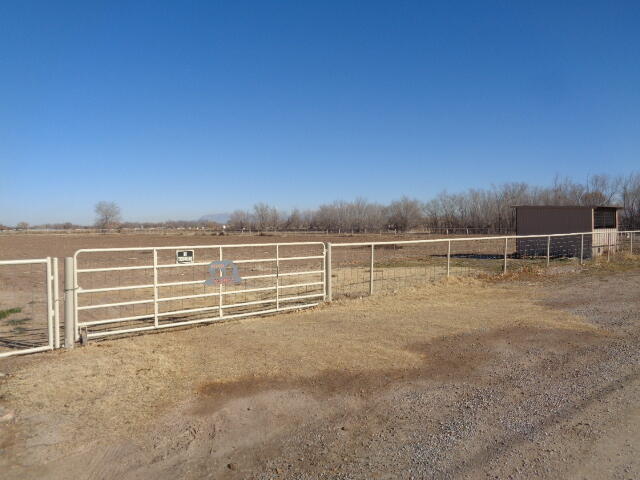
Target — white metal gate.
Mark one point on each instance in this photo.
(28, 299)
(124, 290)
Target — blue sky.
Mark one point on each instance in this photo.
(180, 109)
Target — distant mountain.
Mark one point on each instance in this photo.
(215, 217)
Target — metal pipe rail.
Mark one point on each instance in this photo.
(52, 304)
(468, 239)
(156, 299)
(449, 241)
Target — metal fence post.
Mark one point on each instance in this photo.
(581, 248)
(548, 249)
(220, 291)
(50, 314)
(155, 288)
(69, 316)
(448, 257)
(56, 305)
(277, 277)
(506, 246)
(631, 248)
(371, 272)
(327, 273)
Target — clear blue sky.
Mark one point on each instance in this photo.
(179, 109)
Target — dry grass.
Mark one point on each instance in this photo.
(121, 385)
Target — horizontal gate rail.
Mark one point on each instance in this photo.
(202, 320)
(51, 305)
(152, 293)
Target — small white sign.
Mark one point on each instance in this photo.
(184, 256)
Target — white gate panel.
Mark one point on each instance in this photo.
(29, 320)
(125, 290)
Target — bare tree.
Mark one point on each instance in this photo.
(601, 190)
(239, 220)
(630, 196)
(295, 221)
(107, 215)
(265, 217)
(405, 214)
(22, 226)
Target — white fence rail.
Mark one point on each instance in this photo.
(125, 290)
(113, 291)
(355, 268)
(31, 322)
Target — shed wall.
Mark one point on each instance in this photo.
(550, 220)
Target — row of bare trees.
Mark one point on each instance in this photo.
(488, 210)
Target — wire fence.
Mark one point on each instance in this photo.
(111, 291)
(364, 268)
(28, 311)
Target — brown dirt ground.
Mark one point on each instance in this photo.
(532, 378)
(16, 245)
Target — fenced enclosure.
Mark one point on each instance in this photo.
(125, 290)
(114, 291)
(29, 320)
(363, 268)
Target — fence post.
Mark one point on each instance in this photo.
(69, 309)
(631, 244)
(548, 249)
(277, 277)
(56, 305)
(506, 246)
(220, 291)
(448, 257)
(581, 248)
(155, 288)
(371, 272)
(327, 273)
(50, 315)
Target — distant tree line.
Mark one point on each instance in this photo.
(487, 210)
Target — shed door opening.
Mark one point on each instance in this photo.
(604, 219)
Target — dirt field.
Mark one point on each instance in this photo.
(37, 245)
(538, 377)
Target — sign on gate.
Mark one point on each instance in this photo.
(126, 290)
(223, 272)
(184, 256)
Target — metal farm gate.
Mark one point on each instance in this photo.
(123, 290)
(29, 306)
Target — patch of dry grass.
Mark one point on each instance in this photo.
(120, 385)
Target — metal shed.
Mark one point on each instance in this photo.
(601, 222)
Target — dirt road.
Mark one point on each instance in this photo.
(533, 379)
